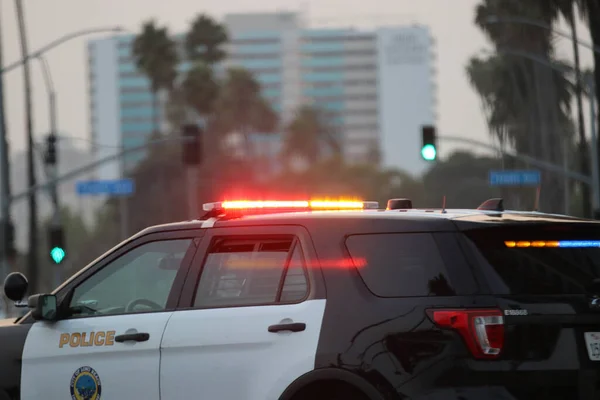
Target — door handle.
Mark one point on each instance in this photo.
(132, 337)
(293, 327)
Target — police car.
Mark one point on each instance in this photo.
(298, 300)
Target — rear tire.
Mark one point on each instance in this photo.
(330, 390)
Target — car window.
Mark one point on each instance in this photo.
(400, 264)
(295, 285)
(140, 280)
(249, 272)
(537, 260)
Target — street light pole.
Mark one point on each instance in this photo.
(33, 234)
(58, 42)
(5, 194)
(4, 178)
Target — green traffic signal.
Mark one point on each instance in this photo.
(428, 143)
(428, 152)
(57, 254)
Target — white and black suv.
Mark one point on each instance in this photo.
(296, 301)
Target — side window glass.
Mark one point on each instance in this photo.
(246, 272)
(138, 281)
(295, 284)
(400, 264)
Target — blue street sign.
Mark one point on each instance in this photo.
(515, 178)
(119, 187)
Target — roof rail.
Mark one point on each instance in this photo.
(496, 204)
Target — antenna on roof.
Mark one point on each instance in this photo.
(444, 205)
(536, 206)
(492, 205)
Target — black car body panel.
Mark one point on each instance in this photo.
(393, 344)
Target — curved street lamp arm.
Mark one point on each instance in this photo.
(58, 42)
(46, 71)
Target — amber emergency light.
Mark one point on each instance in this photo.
(294, 205)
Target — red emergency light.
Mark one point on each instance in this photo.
(293, 205)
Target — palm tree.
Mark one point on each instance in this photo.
(527, 102)
(155, 55)
(240, 108)
(307, 134)
(205, 41)
(200, 89)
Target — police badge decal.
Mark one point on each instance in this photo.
(85, 384)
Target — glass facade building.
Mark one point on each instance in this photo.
(378, 87)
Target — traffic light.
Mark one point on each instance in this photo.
(428, 147)
(50, 158)
(56, 248)
(192, 145)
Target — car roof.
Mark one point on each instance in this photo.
(426, 219)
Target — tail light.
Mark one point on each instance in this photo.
(482, 330)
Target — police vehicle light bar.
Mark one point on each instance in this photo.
(293, 205)
(554, 243)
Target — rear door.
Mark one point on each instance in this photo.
(250, 317)
(546, 279)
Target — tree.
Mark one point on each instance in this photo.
(161, 193)
(308, 132)
(77, 235)
(200, 89)
(205, 41)
(241, 109)
(462, 179)
(155, 55)
(526, 100)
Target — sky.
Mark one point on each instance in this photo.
(451, 22)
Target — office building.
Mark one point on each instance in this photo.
(378, 86)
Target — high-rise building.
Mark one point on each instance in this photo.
(378, 87)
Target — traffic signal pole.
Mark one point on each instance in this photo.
(191, 158)
(51, 162)
(90, 167)
(55, 222)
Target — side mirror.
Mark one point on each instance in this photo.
(43, 307)
(15, 286)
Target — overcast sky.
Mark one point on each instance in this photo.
(451, 22)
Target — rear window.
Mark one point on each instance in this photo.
(400, 264)
(545, 260)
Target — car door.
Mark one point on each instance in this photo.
(253, 317)
(109, 347)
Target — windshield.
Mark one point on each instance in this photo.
(538, 261)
